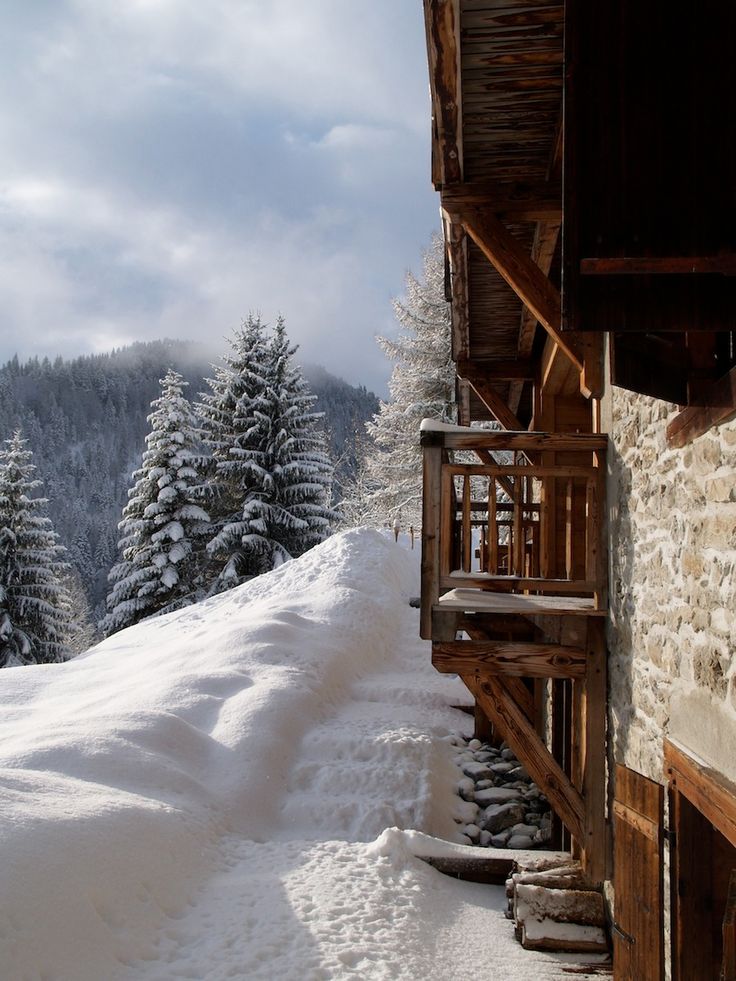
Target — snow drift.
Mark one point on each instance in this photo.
(200, 795)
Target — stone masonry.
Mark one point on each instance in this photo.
(672, 635)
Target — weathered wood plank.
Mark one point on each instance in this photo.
(638, 928)
(520, 660)
(503, 711)
(494, 870)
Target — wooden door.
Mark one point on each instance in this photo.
(638, 945)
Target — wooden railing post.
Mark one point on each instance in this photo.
(431, 519)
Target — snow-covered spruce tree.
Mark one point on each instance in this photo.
(163, 527)
(229, 436)
(34, 605)
(422, 385)
(277, 464)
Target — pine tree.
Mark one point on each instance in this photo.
(275, 475)
(422, 385)
(163, 526)
(34, 606)
(229, 435)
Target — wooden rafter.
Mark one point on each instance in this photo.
(498, 704)
(442, 19)
(522, 274)
(513, 200)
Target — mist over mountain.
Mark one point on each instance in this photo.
(85, 421)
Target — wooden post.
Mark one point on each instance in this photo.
(431, 497)
(447, 512)
(594, 753)
(492, 527)
(518, 530)
(467, 535)
(568, 528)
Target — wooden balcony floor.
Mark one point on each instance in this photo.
(483, 601)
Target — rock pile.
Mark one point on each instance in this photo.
(500, 806)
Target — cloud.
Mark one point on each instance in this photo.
(170, 165)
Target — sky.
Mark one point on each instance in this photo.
(169, 166)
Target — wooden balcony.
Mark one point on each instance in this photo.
(513, 600)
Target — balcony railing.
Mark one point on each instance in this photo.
(514, 514)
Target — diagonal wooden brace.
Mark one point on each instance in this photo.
(500, 707)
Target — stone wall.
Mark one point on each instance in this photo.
(672, 635)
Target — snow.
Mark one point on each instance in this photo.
(218, 793)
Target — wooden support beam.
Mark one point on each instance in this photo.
(591, 379)
(499, 369)
(488, 395)
(515, 658)
(720, 406)
(557, 376)
(496, 701)
(522, 274)
(457, 251)
(514, 200)
(489, 440)
(521, 695)
(442, 22)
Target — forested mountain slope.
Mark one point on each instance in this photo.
(85, 421)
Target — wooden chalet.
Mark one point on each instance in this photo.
(585, 156)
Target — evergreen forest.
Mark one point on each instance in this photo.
(85, 421)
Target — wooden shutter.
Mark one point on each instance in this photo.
(638, 946)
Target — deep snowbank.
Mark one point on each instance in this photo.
(122, 769)
(207, 795)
